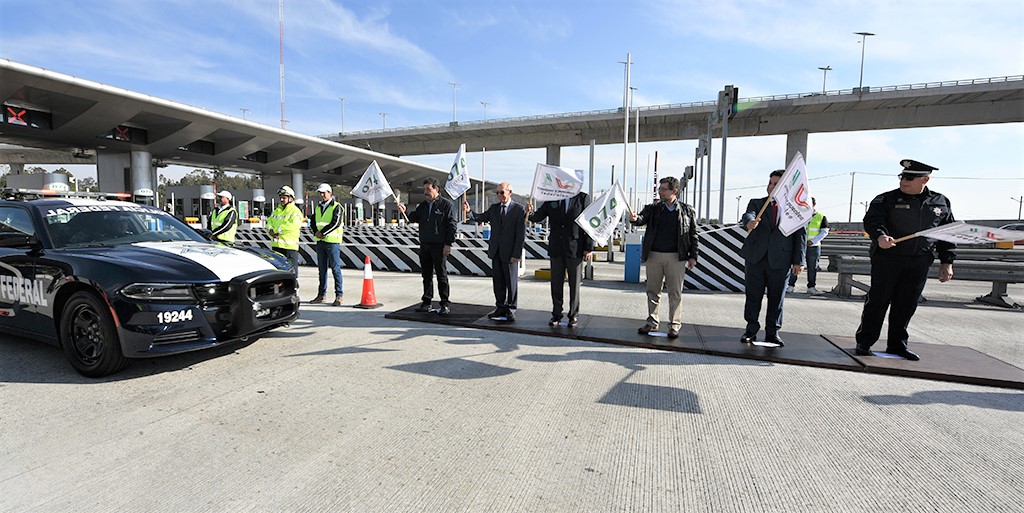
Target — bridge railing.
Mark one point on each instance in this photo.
(673, 106)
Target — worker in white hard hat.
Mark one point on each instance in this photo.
(284, 225)
(224, 219)
(328, 223)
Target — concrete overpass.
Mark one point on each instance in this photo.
(52, 118)
(962, 102)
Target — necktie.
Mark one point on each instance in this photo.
(775, 213)
(504, 208)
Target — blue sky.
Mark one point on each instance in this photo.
(541, 57)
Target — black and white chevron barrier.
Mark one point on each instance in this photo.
(720, 266)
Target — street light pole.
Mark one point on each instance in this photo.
(738, 198)
(1020, 204)
(485, 104)
(824, 75)
(863, 39)
(244, 112)
(853, 177)
(384, 119)
(455, 87)
(342, 114)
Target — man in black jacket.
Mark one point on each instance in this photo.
(436, 217)
(670, 240)
(769, 257)
(568, 247)
(505, 247)
(899, 271)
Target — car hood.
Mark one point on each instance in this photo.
(189, 261)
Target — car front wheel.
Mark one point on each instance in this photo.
(89, 338)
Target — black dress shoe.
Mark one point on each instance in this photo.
(424, 307)
(510, 317)
(863, 351)
(573, 322)
(906, 353)
(554, 321)
(496, 315)
(748, 338)
(775, 340)
(444, 310)
(673, 333)
(647, 329)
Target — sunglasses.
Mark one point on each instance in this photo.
(908, 177)
(500, 193)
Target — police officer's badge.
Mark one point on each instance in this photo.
(937, 211)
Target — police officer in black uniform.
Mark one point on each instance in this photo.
(436, 217)
(900, 270)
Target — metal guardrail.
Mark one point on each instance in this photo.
(706, 103)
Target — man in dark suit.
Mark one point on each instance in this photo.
(437, 229)
(769, 257)
(568, 247)
(505, 247)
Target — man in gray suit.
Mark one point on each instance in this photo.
(769, 258)
(508, 234)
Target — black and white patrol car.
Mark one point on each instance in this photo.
(110, 281)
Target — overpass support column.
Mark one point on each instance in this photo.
(300, 197)
(142, 177)
(554, 155)
(795, 141)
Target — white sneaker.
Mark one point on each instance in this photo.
(790, 289)
(813, 291)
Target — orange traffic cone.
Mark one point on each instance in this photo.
(369, 296)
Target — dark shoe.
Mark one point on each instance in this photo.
(775, 340)
(573, 322)
(337, 301)
(424, 307)
(748, 338)
(318, 299)
(906, 353)
(673, 333)
(647, 329)
(444, 310)
(554, 321)
(863, 351)
(510, 317)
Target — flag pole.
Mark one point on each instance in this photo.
(399, 202)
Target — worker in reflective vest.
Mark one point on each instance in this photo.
(224, 219)
(328, 223)
(817, 229)
(284, 225)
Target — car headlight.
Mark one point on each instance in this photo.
(158, 291)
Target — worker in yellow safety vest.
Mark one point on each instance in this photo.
(817, 229)
(284, 225)
(224, 220)
(328, 223)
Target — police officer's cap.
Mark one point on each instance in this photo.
(913, 167)
(286, 191)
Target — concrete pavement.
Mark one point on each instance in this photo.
(349, 411)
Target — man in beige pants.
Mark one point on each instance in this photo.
(669, 249)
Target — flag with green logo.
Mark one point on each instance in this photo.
(553, 183)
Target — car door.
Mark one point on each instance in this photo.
(21, 293)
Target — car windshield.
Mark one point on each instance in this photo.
(111, 225)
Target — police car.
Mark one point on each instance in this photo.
(109, 281)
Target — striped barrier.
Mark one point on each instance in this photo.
(720, 266)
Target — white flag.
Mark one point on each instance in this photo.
(553, 183)
(794, 197)
(602, 216)
(458, 177)
(959, 232)
(373, 186)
